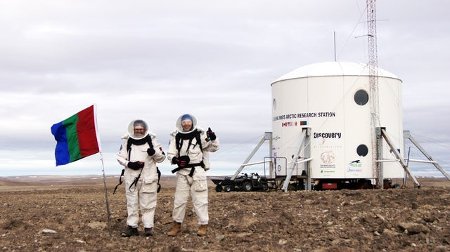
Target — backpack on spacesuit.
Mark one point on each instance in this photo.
(179, 143)
(129, 143)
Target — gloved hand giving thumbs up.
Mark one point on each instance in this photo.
(211, 135)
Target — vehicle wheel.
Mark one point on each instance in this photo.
(396, 186)
(219, 188)
(227, 188)
(265, 187)
(299, 185)
(247, 186)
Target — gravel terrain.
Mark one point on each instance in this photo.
(69, 214)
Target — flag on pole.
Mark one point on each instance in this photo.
(76, 137)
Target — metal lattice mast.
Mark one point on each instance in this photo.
(373, 83)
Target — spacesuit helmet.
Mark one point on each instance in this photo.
(182, 122)
(137, 129)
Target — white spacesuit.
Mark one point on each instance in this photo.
(189, 149)
(139, 153)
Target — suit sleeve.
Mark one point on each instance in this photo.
(172, 152)
(159, 155)
(122, 155)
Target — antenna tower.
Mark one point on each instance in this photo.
(373, 83)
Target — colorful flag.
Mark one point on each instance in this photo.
(76, 137)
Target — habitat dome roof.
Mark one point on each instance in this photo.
(333, 69)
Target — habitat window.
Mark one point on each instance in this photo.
(274, 104)
(362, 150)
(361, 97)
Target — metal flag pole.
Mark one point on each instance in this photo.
(108, 212)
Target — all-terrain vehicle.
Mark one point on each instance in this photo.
(244, 182)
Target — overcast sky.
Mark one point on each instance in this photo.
(215, 59)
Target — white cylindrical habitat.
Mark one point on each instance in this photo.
(333, 100)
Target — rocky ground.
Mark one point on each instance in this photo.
(54, 214)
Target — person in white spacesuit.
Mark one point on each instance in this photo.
(139, 153)
(188, 149)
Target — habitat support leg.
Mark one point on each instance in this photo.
(304, 142)
(379, 153)
(267, 136)
(397, 155)
(408, 135)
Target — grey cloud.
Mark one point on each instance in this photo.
(158, 59)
